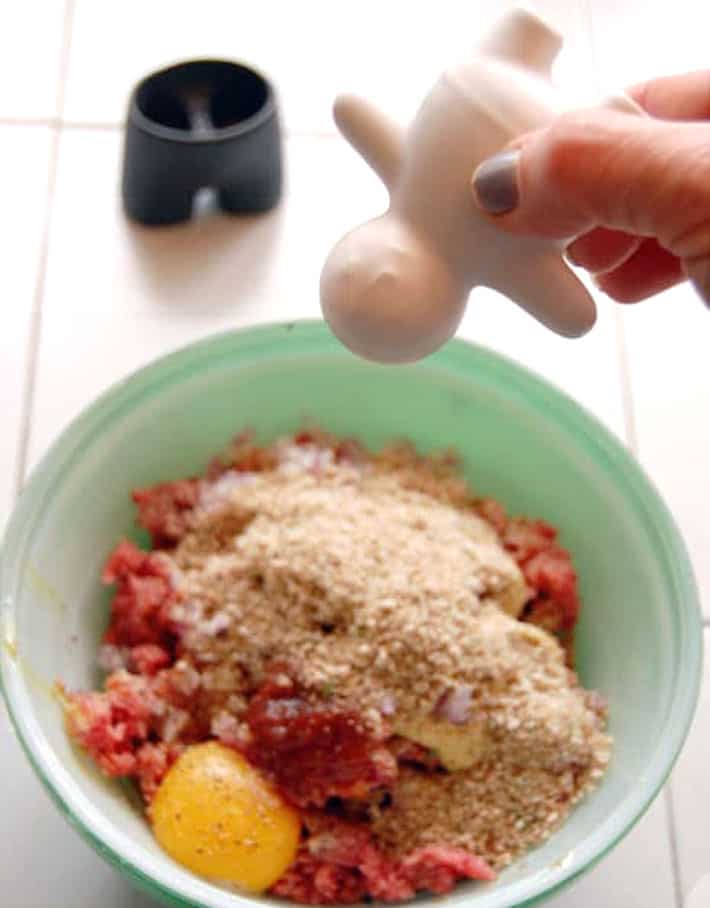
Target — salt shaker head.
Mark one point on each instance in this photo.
(386, 282)
(395, 289)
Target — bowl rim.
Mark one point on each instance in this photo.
(458, 357)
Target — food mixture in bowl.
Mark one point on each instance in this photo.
(339, 675)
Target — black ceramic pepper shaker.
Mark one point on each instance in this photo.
(198, 124)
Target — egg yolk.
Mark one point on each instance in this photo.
(216, 815)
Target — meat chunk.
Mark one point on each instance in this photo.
(140, 611)
(548, 571)
(339, 864)
(313, 751)
(165, 510)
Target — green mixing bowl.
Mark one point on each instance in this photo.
(521, 441)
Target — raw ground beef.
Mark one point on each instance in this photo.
(550, 574)
(164, 509)
(313, 752)
(326, 761)
(140, 611)
(339, 863)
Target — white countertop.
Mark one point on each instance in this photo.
(86, 298)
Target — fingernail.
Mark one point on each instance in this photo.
(495, 183)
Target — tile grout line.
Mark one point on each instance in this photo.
(60, 123)
(98, 126)
(627, 393)
(673, 839)
(35, 321)
(64, 62)
(28, 121)
(33, 340)
(630, 428)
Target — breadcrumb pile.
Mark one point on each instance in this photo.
(392, 602)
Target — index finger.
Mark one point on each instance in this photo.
(681, 97)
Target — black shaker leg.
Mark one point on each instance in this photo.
(158, 206)
(248, 198)
(157, 187)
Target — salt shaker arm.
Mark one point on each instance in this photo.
(373, 135)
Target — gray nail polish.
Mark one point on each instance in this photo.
(495, 183)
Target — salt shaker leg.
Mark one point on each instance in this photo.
(552, 293)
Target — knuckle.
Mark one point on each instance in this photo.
(684, 195)
(569, 141)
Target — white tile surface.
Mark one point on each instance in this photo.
(640, 39)
(43, 863)
(699, 895)
(312, 49)
(667, 341)
(31, 37)
(691, 795)
(23, 190)
(118, 296)
(637, 874)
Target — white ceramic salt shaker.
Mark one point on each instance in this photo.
(395, 288)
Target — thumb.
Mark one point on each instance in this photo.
(643, 176)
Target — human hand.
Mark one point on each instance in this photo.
(634, 192)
